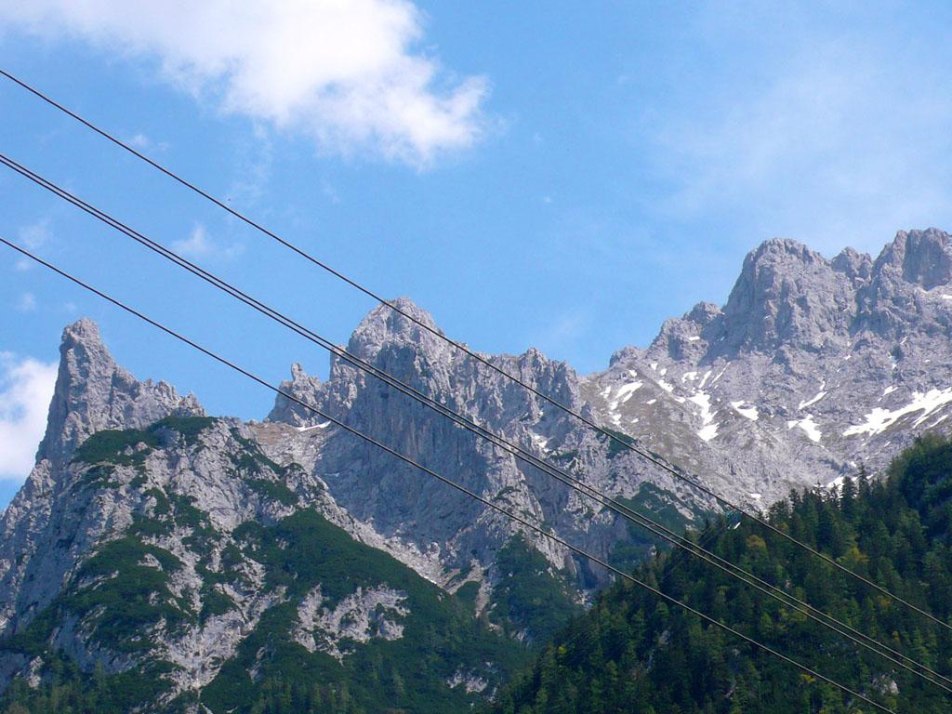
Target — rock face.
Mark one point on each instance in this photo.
(812, 368)
(456, 536)
(93, 394)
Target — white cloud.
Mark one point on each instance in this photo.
(200, 245)
(347, 72)
(36, 235)
(144, 143)
(32, 237)
(26, 303)
(26, 388)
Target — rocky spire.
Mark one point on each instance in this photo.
(384, 327)
(902, 295)
(94, 393)
(923, 258)
(302, 387)
(788, 295)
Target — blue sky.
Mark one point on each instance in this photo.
(558, 175)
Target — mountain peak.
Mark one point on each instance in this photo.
(924, 257)
(786, 294)
(774, 247)
(83, 331)
(288, 407)
(386, 326)
(94, 393)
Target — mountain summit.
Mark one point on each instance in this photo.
(93, 393)
(812, 368)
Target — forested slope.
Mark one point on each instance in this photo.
(633, 653)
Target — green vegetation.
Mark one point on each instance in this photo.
(530, 597)
(634, 653)
(661, 507)
(116, 447)
(189, 427)
(71, 691)
(273, 490)
(408, 674)
(122, 596)
(614, 447)
(131, 446)
(118, 594)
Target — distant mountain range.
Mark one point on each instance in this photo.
(190, 553)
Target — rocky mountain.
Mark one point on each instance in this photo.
(163, 552)
(811, 369)
(207, 553)
(438, 525)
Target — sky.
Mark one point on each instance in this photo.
(561, 175)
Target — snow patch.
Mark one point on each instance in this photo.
(809, 427)
(709, 427)
(695, 338)
(938, 421)
(889, 390)
(312, 428)
(814, 400)
(748, 412)
(624, 393)
(878, 420)
(666, 386)
(539, 440)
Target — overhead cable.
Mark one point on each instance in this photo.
(578, 485)
(449, 482)
(654, 458)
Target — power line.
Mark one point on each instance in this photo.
(449, 482)
(658, 529)
(622, 443)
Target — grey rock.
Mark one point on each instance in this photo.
(814, 368)
(93, 393)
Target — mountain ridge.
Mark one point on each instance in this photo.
(812, 369)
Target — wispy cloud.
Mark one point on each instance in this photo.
(351, 74)
(26, 303)
(562, 332)
(144, 142)
(26, 388)
(829, 136)
(32, 237)
(200, 244)
(36, 235)
(254, 159)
